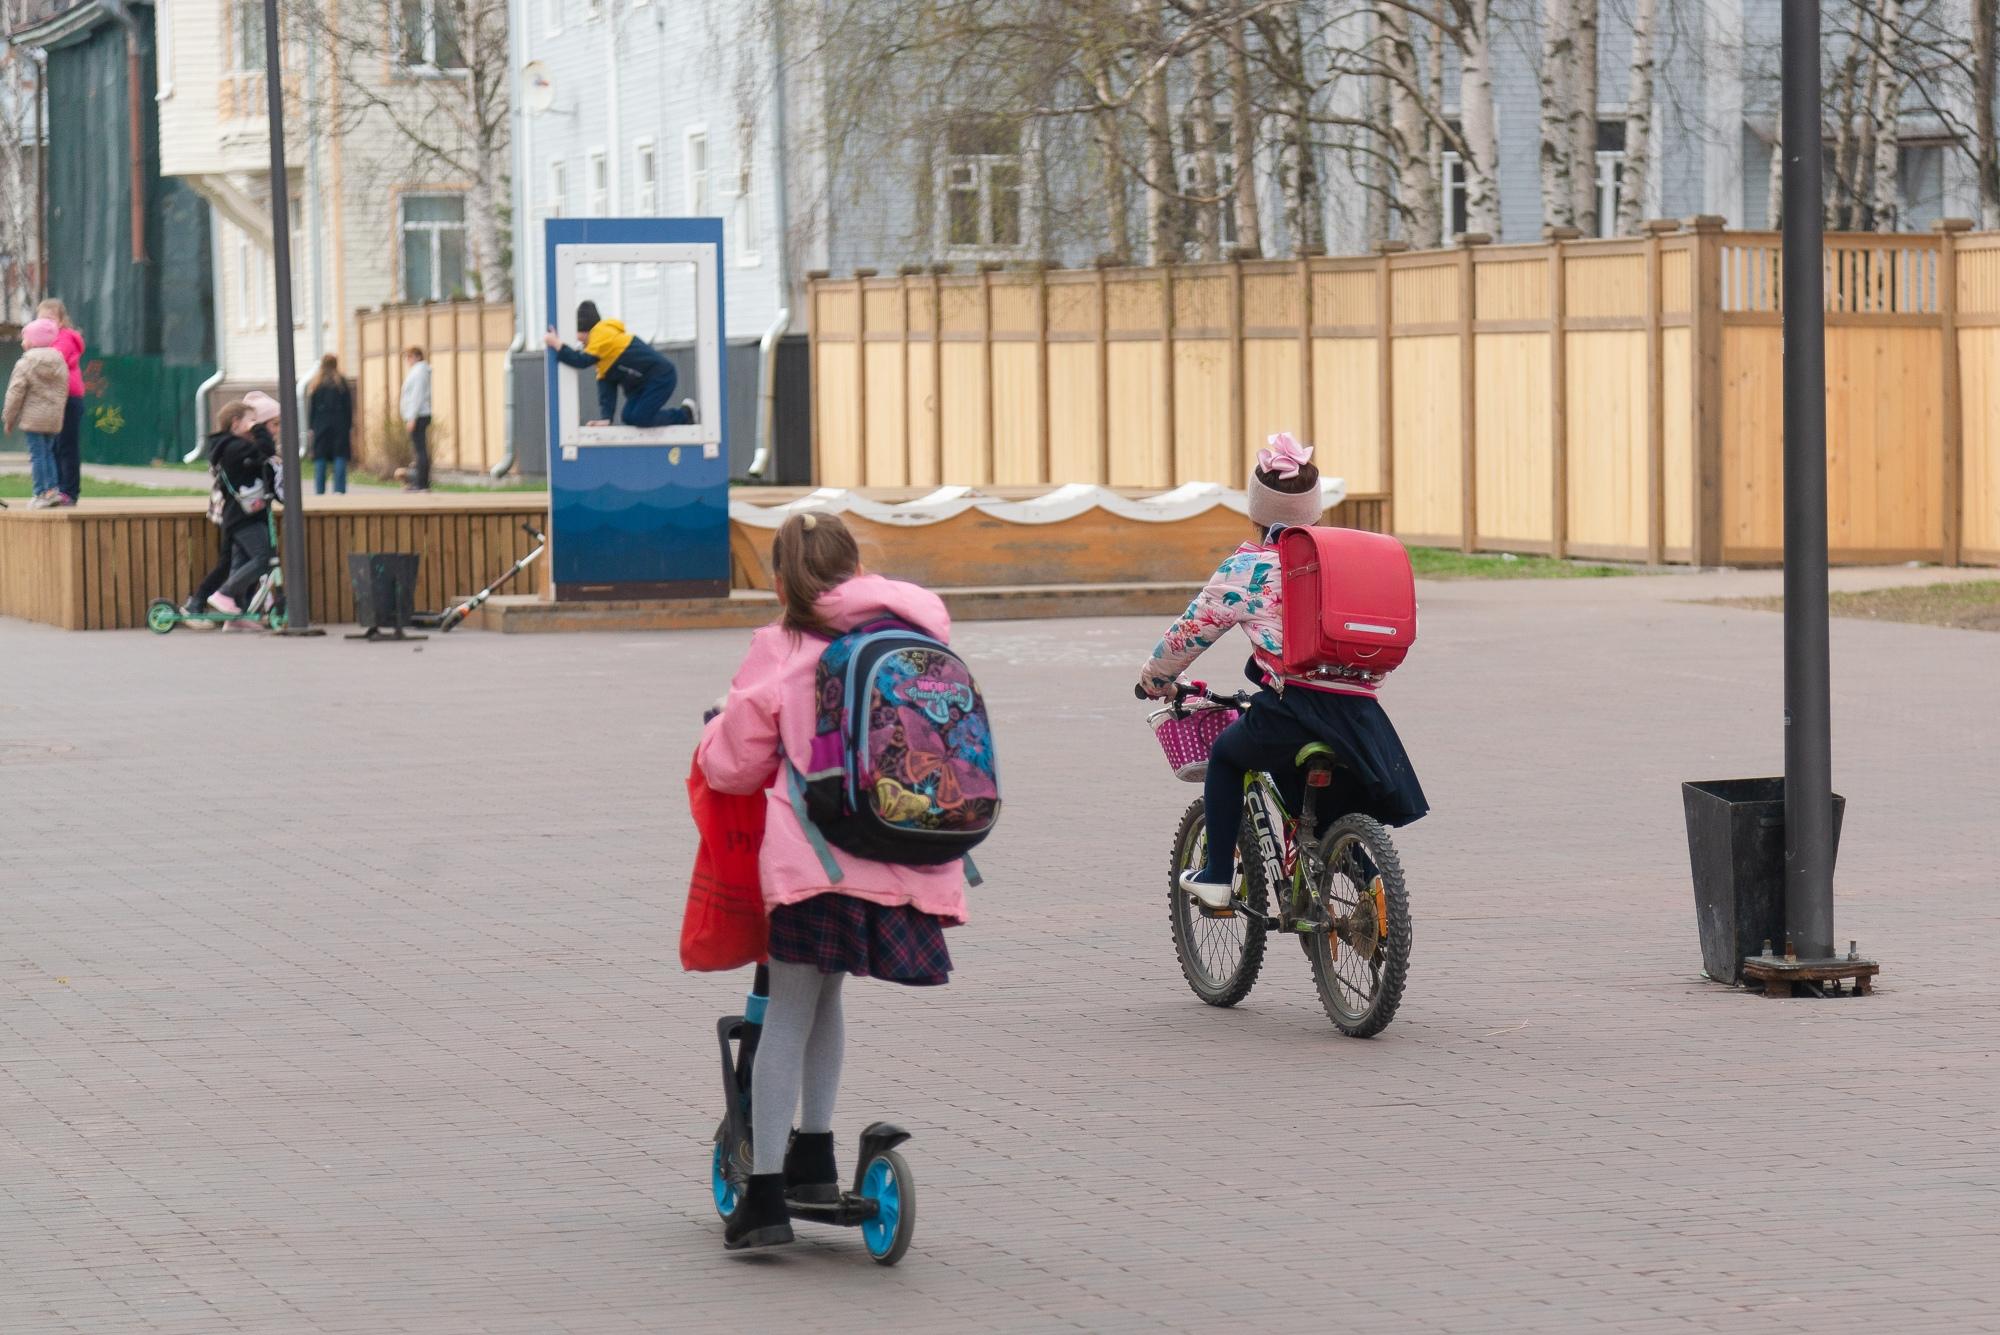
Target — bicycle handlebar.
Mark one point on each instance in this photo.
(1195, 690)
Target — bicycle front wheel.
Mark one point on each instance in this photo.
(1361, 961)
(1220, 951)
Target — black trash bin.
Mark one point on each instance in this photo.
(385, 590)
(1736, 844)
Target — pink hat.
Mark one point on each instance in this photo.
(1284, 488)
(263, 407)
(39, 334)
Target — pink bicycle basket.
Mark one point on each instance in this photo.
(1187, 738)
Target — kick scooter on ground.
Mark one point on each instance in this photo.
(883, 1203)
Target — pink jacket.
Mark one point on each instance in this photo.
(70, 344)
(769, 715)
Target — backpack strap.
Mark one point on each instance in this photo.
(972, 876)
(795, 792)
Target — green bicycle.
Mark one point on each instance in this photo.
(1340, 891)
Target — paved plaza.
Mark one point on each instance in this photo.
(339, 992)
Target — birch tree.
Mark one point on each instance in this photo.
(1201, 115)
(1481, 147)
(1583, 115)
(20, 162)
(1638, 123)
(1243, 141)
(1558, 136)
(1886, 203)
(1986, 153)
(1416, 181)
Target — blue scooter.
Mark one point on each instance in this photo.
(883, 1204)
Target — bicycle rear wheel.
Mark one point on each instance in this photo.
(1360, 964)
(1220, 955)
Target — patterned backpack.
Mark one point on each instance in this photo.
(902, 766)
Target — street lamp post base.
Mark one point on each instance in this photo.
(1813, 978)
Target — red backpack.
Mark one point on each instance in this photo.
(1350, 604)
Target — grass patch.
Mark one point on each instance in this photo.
(1973, 605)
(20, 486)
(1443, 563)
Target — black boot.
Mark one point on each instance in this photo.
(810, 1176)
(760, 1218)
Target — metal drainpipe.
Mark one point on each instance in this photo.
(767, 348)
(516, 21)
(207, 387)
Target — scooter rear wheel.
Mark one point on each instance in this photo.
(162, 616)
(888, 1183)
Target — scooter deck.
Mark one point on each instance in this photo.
(851, 1211)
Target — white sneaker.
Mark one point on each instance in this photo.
(1208, 892)
(694, 410)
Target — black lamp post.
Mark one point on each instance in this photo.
(298, 589)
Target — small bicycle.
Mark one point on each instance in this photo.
(1340, 891)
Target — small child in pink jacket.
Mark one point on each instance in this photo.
(881, 921)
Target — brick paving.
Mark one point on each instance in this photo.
(338, 993)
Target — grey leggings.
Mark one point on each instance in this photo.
(798, 1060)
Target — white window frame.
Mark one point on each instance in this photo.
(981, 165)
(428, 68)
(552, 17)
(1225, 176)
(596, 184)
(743, 209)
(556, 204)
(1451, 192)
(436, 229)
(297, 218)
(705, 383)
(698, 183)
(236, 43)
(1610, 164)
(646, 177)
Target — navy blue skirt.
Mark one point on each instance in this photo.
(1374, 777)
(838, 933)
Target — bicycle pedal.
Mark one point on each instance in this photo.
(1208, 912)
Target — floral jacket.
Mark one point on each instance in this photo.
(1245, 591)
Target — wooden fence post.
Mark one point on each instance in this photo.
(1103, 373)
(1239, 466)
(983, 469)
(814, 277)
(1044, 447)
(1952, 420)
(937, 371)
(861, 277)
(1558, 391)
(1656, 408)
(1385, 379)
(1167, 370)
(1307, 428)
(1468, 393)
(903, 273)
(1705, 377)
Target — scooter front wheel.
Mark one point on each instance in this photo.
(887, 1183)
(162, 616)
(721, 1184)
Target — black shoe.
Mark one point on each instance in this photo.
(760, 1218)
(810, 1175)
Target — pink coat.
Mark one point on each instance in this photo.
(769, 714)
(70, 344)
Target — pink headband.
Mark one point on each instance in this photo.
(1285, 457)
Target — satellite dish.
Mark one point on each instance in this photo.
(538, 90)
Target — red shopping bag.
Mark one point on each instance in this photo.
(724, 926)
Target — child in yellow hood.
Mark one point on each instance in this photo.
(623, 361)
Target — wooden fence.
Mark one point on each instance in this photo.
(1594, 398)
(466, 343)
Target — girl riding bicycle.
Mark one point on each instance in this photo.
(1374, 777)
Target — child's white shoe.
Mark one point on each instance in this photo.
(1215, 894)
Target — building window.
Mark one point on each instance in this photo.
(433, 247)
(982, 184)
(552, 16)
(1457, 215)
(1610, 174)
(598, 171)
(252, 287)
(745, 206)
(646, 170)
(558, 198)
(697, 175)
(246, 36)
(301, 299)
(427, 36)
(1225, 180)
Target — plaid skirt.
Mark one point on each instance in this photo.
(838, 933)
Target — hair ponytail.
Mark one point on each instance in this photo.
(812, 554)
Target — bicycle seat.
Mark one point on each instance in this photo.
(1312, 751)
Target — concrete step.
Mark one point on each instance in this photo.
(745, 609)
